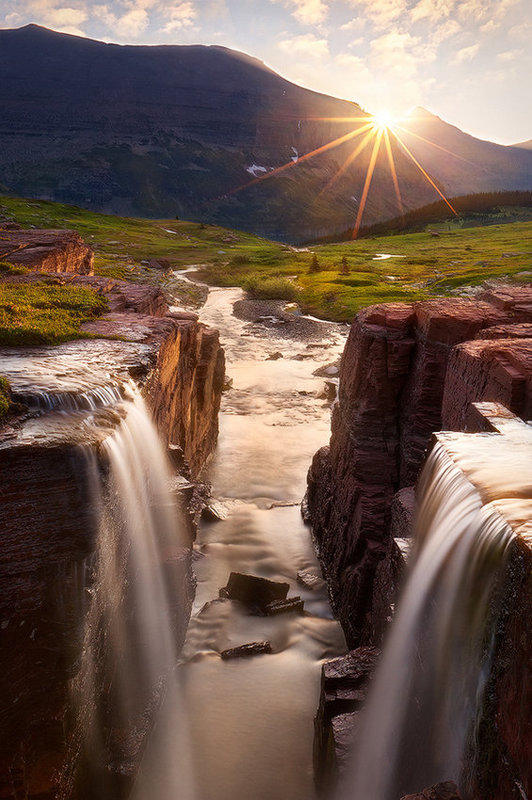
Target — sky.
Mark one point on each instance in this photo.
(468, 61)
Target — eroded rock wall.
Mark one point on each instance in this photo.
(49, 533)
(393, 380)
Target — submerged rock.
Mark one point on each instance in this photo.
(247, 650)
(284, 606)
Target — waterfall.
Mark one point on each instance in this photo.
(138, 584)
(425, 696)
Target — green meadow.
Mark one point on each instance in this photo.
(417, 265)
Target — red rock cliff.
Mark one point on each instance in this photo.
(394, 379)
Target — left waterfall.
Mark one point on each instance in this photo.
(137, 586)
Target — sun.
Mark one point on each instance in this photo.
(383, 120)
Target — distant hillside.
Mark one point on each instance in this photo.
(179, 130)
(473, 210)
(524, 145)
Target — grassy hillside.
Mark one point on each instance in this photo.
(421, 265)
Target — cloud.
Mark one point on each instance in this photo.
(433, 10)
(52, 14)
(382, 13)
(355, 24)
(307, 46)
(466, 54)
(307, 12)
(180, 16)
(129, 24)
(510, 55)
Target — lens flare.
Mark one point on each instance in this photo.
(383, 120)
(382, 130)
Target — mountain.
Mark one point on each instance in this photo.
(159, 131)
(524, 145)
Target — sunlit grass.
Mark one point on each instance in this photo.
(4, 397)
(424, 266)
(37, 313)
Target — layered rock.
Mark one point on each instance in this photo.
(48, 528)
(393, 379)
(47, 250)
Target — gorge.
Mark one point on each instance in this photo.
(105, 554)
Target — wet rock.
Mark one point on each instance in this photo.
(214, 511)
(344, 687)
(327, 371)
(310, 580)
(284, 606)
(329, 392)
(447, 790)
(402, 513)
(254, 591)
(247, 650)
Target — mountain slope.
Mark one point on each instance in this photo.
(166, 130)
(525, 145)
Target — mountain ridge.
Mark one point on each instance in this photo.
(165, 130)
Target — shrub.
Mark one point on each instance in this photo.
(271, 288)
(314, 264)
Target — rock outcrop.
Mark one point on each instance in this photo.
(403, 374)
(408, 371)
(47, 250)
(48, 526)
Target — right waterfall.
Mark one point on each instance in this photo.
(428, 689)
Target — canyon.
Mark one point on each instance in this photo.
(407, 372)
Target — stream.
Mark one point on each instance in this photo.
(244, 727)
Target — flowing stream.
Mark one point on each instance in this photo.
(248, 723)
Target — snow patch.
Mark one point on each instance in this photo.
(295, 157)
(256, 170)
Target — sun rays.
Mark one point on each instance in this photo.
(374, 134)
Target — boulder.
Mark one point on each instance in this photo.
(46, 250)
(253, 591)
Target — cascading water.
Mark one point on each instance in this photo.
(427, 691)
(137, 610)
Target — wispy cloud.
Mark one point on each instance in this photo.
(307, 12)
(306, 45)
(466, 54)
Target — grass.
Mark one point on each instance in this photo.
(38, 313)
(423, 265)
(12, 269)
(5, 400)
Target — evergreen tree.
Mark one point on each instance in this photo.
(344, 266)
(314, 264)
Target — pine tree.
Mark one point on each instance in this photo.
(314, 264)
(344, 266)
